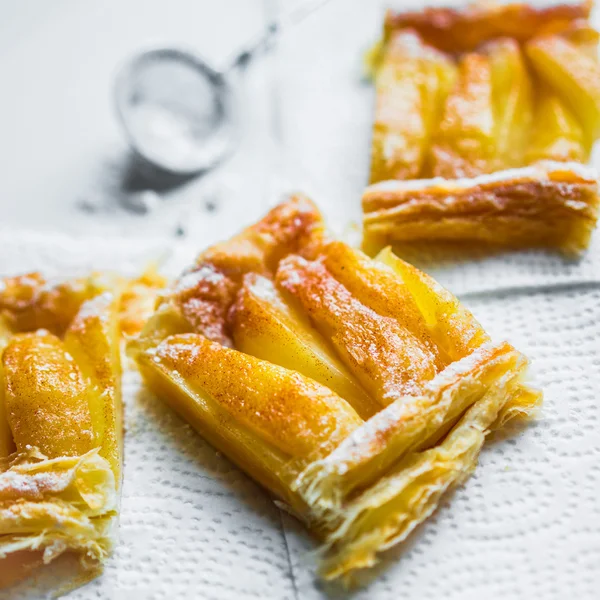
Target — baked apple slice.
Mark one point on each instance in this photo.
(266, 326)
(464, 144)
(512, 97)
(270, 420)
(356, 391)
(573, 74)
(412, 82)
(557, 134)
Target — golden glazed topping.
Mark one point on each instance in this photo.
(56, 419)
(387, 358)
(296, 414)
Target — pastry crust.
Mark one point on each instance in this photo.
(514, 85)
(551, 205)
(61, 417)
(464, 29)
(355, 390)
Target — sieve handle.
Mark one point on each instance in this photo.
(263, 43)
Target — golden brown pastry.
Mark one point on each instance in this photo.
(550, 204)
(61, 417)
(357, 391)
(412, 79)
(462, 93)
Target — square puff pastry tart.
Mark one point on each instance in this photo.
(484, 117)
(356, 391)
(61, 416)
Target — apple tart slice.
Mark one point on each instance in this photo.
(482, 90)
(356, 391)
(61, 416)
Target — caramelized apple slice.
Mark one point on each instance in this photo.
(316, 419)
(412, 81)
(512, 100)
(557, 135)
(92, 340)
(268, 419)
(30, 302)
(572, 74)
(379, 288)
(385, 356)
(46, 397)
(464, 144)
(451, 325)
(266, 327)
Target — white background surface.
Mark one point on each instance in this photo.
(526, 526)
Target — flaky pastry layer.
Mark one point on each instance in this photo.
(547, 205)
